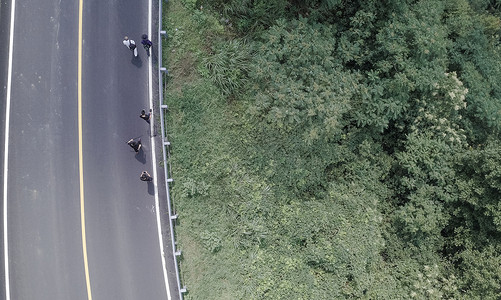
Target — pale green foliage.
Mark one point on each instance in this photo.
(252, 15)
(228, 65)
(426, 171)
(440, 114)
(421, 218)
(402, 57)
(331, 246)
(429, 283)
(481, 273)
(300, 87)
(207, 22)
(211, 240)
(476, 55)
(480, 184)
(426, 160)
(193, 188)
(190, 4)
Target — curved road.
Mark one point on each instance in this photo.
(45, 246)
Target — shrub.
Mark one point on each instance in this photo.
(228, 65)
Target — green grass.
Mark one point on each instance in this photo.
(205, 159)
(236, 224)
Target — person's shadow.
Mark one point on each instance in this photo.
(136, 61)
(151, 188)
(141, 156)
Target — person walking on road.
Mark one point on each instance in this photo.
(131, 45)
(145, 176)
(136, 145)
(146, 43)
(145, 116)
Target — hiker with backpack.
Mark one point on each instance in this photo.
(145, 176)
(146, 43)
(131, 45)
(145, 116)
(135, 144)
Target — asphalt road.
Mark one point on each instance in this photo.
(120, 208)
(44, 232)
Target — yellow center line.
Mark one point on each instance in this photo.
(80, 152)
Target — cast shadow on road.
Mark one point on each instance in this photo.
(136, 61)
(141, 156)
(151, 188)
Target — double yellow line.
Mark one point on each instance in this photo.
(80, 152)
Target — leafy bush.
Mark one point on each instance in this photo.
(193, 188)
(349, 153)
(255, 15)
(228, 65)
(190, 4)
(300, 88)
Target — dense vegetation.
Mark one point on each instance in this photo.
(335, 149)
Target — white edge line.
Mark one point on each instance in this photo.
(154, 159)
(6, 153)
